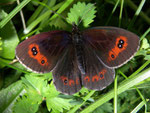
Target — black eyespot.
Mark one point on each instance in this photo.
(101, 75)
(120, 45)
(65, 81)
(112, 56)
(33, 49)
(43, 61)
(95, 79)
(87, 79)
(35, 53)
(121, 42)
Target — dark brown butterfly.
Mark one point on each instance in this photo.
(80, 58)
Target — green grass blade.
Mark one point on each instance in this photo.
(13, 13)
(121, 10)
(137, 13)
(40, 18)
(115, 95)
(146, 32)
(142, 97)
(36, 13)
(9, 95)
(138, 107)
(142, 14)
(62, 8)
(2, 61)
(114, 9)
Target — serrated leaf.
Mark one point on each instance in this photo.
(83, 12)
(34, 83)
(24, 105)
(57, 104)
(35, 86)
(54, 102)
(38, 87)
(50, 91)
(9, 95)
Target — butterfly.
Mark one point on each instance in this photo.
(79, 58)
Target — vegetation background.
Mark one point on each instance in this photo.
(22, 91)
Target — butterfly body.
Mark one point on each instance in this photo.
(81, 58)
(78, 43)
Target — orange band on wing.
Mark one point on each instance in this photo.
(96, 77)
(42, 60)
(114, 52)
(69, 82)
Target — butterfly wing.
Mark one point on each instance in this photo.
(66, 74)
(113, 46)
(97, 76)
(41, 52)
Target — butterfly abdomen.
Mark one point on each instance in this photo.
(80, 58)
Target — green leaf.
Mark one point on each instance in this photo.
(141, 52)
(34, 87)
(83, 91)
(25, 105)
(144, 49)
(83, 12)
(9, 95)
(9, 39)
(12, 76)
(57, 104)
(38, 87)
(54, 102)
(147, 57)
(145, 44)
(50, 91)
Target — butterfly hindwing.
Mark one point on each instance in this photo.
(97, 76)
(41, 52)
(66, 74)
(113, 46)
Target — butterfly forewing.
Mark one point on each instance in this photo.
(113, 46)
(41, 52)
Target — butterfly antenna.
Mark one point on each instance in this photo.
(86, 13)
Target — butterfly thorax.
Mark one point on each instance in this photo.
(78, 41)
